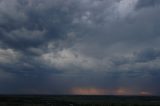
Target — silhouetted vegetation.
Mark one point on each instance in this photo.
(79, 100)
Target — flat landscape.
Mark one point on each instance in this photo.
(65, 100)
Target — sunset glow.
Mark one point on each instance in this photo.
(88, 91)
(100, 91)
(144, 93)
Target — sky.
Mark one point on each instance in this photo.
(80, 47)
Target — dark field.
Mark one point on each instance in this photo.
(41, 100)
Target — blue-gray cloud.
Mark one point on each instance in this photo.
(147, 3)
(61, 45)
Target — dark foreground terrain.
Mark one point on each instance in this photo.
(41, 100)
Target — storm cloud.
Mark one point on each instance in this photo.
(79, 46)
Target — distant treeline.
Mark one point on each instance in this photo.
(78, 101)
(72, 104)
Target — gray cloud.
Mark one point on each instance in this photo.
(147, 3)
(64, 45)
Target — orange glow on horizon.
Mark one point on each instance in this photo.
(101, 91)
(144, 93)
(88, 91)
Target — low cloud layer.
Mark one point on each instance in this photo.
(79, 46)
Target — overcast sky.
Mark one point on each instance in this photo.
(104, 47)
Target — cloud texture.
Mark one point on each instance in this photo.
(79, 46)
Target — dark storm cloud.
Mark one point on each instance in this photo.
(142, 68)
(31, 24)
(56, 46)
(147, 3)
(148, 55)
(28, 30)
(26, 25)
